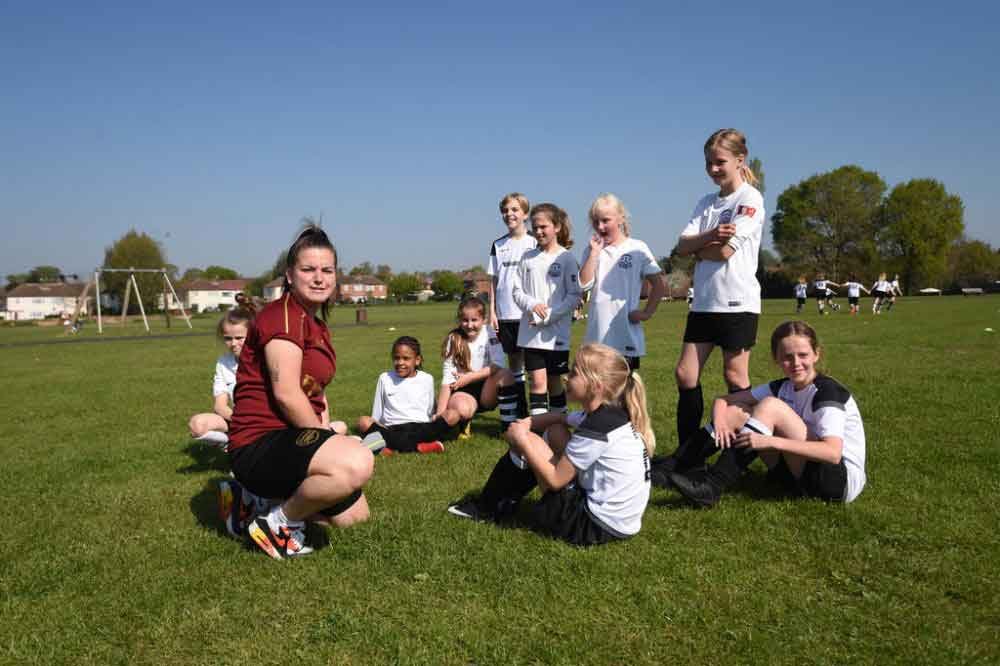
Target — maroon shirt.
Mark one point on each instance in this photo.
(255, 410)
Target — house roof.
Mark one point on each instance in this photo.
(49, 289)
(215, 285)
(360, 279)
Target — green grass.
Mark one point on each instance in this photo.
(112, 552)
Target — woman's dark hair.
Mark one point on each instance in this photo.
(241, 315)
(408, 341)
(790, 328)
(311, 236)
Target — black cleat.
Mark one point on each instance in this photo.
(660, 469)
(697, 487)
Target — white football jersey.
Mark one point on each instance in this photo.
(729, 286)
(403, 399)
(484, 350)
(505, 258)
(615, 291)
(551, 279)
(225, 375)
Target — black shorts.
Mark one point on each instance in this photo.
(508, 335)
(475, 389)
(553, 361)
(277, 463)
(404, 437)
(853, 300)
(801, 301)
(878, 294)
(820, 480)
(563, 514)
(732, 331)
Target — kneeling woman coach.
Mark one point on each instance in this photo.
(281, 444)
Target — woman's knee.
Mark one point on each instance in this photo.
(198, 425)
(686, 375)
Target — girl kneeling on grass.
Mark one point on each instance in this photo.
(281, 442)
(404, 405)
(806, 428)
(595, 480)
(232, 331)
(474, 376)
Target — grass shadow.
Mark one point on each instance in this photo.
(205, 458)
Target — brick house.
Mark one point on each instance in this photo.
(37, 300)
(357, 288)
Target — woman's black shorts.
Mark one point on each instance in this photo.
(563, 514)
(278, 462)
(732, 331)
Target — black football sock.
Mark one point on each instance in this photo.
(690, 408)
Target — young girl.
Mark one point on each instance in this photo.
(474, 377)
(724, 234)
(547, 290)
(404, 405)
(880, 292)
(854, 289)
(806, 428)
(614, 269)
(607, 455)
(824, 295)
(506, 253)
(232, 331)
(894, 291)
(801, 289)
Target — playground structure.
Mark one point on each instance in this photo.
(130, 285)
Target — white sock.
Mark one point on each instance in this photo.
(214, 437)
(756, 426)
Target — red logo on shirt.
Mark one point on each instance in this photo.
(745, 210)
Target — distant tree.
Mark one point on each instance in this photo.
(134, 250)
(192, 274)
(447, 285)
(478, 268)
(758, 170)
(829, 222)
(220, 273)
(364, 268)
(44, 274)
(14, 279)
(403, 284)
(973, 264)
(921, 222)
(384, 272)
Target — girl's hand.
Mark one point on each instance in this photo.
(638, 315)
(516, 432)
(724, 437)
(596, 244)
(458, 383)
(724, 232)
(541, 310)
(494, 322)
(750, 439)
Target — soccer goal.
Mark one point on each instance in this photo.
(130, 286)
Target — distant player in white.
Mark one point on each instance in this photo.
(724, 235)
(824, 295)
(595, 481)
(806, 427)
(547, 290)
(893, 292)
(505, 259)
(801, 291)
(854, 289)
(880, 293)
(613, 270)
(403, 409)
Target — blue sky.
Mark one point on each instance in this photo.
(215, 129)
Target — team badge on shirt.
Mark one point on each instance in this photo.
(625, 261)
(745, 210)
(555, 270)
(307, 437)
(726, 216)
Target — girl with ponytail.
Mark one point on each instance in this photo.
(606, 455)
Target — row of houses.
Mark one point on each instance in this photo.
(59, 299)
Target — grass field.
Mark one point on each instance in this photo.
(112, 552)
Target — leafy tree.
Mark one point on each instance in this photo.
(220, 273)
(758, 170)
(384, 272)
(192, 274)
(364, 268)
(400, 286)
(447, 285)
(921, 222)
(44, 274)
(134, 250)
(973, 264)
(478, 268)
(14, 279)
(829, 222)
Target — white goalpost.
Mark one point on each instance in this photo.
(130, 285)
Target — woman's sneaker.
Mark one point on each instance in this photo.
(430, 447)
(280, 543)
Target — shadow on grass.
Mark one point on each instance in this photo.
(752, 485)
(205, 458)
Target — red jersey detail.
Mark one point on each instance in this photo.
(255, 411)
(745, 210)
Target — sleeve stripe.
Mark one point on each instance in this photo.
(829, 403)
(591, 434)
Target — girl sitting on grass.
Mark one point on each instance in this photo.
(212, 427)
(806, 428)
(595, 480)
(404, 405)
